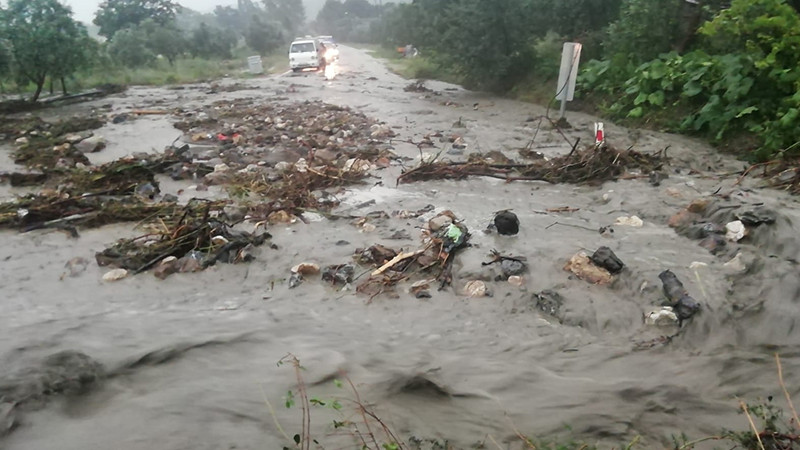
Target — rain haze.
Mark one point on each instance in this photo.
(473, 224)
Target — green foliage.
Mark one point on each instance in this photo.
(349, 21)
(289, 13)
(130, 48)
(5, 60)
(264, 36)
(645, 29)
(44, 40)
(750, 82)
(498, 44)
(547, 55)
(230, 18)
(211, 42)
(164, 39)
(116, 15)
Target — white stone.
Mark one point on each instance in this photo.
(735, 231)
(115, 275)
(736, 264)
(475, 288)
(663, 317)
(632, 221)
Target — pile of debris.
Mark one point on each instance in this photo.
(278, 161)
(783, 173)
(716, 226)
(251, 133)
(120, 191)
(592, 165)
(432, 262)
(187, 241)
(44, 146)
(419, 86)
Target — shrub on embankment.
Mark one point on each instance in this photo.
(723, 70)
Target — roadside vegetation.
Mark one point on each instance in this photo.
(152, 42)
(726, 71)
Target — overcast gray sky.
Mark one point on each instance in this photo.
(84, 9)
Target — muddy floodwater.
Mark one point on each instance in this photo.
(191, 359)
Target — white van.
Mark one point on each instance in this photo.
(304, 54)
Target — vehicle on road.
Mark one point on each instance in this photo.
(331, 48)
(305, 54)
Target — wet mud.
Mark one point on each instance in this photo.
(186, 362)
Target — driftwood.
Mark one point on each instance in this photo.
(397, 259)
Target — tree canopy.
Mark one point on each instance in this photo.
(115, 15)
(44, 40)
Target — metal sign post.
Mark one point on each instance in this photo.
(565, 90)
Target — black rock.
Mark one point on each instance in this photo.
(120, 118)
(339, 274)
(606, 259)
(549, 302)
(506, 223)
(423, 294)
(673, 288)
(757, 217)
(511, 267)
(686, 307)
(704, 230)
(295, 280)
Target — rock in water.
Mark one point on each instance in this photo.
(684, 305)
(586, 270)
(475, 288)
(606, 259)
(512, 267)
(115, 275)
(506, 223)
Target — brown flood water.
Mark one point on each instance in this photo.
(193, 356)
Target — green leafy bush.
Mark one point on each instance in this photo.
(748, 81)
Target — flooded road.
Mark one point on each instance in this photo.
(192, 358)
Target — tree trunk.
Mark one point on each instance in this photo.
(39, 86)
(63, 86)
(51, 85)
(692, 26)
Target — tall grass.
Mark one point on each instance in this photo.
(185, 70)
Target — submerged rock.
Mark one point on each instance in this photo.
(549, 302)
(714, 243)
(663, 317)
(115, 275)
(682, 303)
(586, 270)
(67, 372)
(516, 280)
(735, 231)
(511, 267)
(306, 269)
(606, 259)
(475, 289)
(757, 217)
(339, 274)
(507, 223)
(91, 145)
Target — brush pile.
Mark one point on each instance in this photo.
(591, 165)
